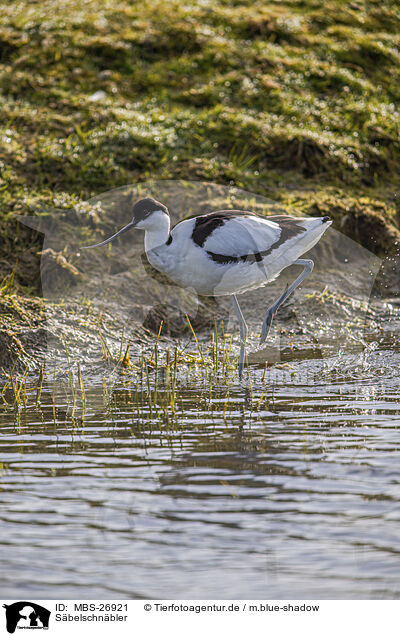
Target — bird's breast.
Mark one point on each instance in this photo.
(187, 267)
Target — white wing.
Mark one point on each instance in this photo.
(243, 235)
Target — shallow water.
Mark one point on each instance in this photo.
(289, 490)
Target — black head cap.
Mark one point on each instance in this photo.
(143, 208)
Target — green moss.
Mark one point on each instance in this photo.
(294, 99)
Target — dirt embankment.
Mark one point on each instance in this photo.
(295, 102)
(94, 297)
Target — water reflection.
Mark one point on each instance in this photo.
(290, 492)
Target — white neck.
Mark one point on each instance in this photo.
(157, 230)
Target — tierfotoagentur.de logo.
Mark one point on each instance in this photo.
(26, 615)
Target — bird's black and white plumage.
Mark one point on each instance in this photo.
(226, 252)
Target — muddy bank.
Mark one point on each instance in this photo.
(95, 303)
(314, 323)
(226, 96)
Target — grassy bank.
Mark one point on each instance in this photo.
(294, 100)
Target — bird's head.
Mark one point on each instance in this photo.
(147, 214)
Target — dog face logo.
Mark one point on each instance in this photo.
(26, 615)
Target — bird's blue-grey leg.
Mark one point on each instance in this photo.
(243, 333)
(308, 267)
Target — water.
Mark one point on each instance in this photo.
(292, 492)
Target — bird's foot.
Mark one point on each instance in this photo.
(266, 326)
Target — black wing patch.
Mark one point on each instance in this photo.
(207, 223)
(289, 229)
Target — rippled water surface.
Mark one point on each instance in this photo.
(286, 491)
